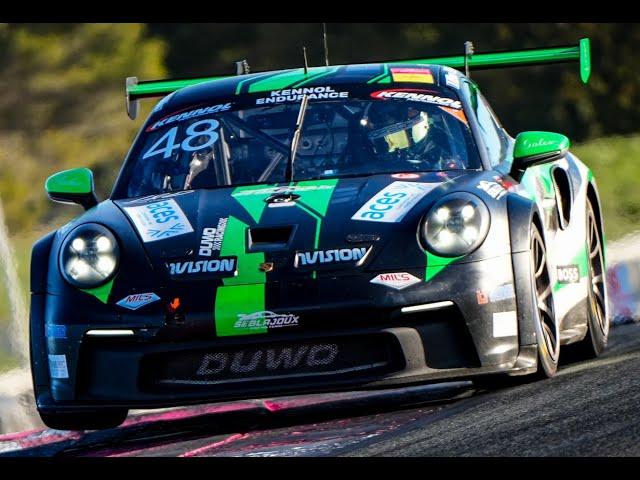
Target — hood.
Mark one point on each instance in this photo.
(258, 233)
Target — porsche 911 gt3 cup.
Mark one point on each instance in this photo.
(341, 227)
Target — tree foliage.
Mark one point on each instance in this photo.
(62, 106)
(62, 87)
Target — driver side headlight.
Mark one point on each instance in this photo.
(89, 256)
(456, 225)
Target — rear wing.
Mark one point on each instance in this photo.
(136, 90)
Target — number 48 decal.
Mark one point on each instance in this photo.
(193, 132)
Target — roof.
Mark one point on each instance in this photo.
(374, 73)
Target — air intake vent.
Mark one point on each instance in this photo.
(266, 239)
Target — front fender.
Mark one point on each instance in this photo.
(521, 212)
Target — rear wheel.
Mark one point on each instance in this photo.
(85, 420)
(547, 329)
(598, 321)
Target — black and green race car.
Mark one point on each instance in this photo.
(308, 230)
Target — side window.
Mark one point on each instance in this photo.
(495, 143)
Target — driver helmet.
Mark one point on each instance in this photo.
(395, 127)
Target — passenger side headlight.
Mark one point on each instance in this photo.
(456, 225)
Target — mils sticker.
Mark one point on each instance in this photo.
(396, 280)
(343, 255)
(159, 220)
(137, 300)
(417, 96)
(393, 202)
(296, 94)
(211, 240)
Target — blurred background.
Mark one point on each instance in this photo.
(62, 106)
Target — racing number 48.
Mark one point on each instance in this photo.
(193, 132)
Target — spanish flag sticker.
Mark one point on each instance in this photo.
(416, 75)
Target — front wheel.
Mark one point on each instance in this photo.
(547, 329)
(85, 420)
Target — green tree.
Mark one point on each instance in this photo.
(62, 106)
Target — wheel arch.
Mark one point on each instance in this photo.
(523, 213)
(38, 286)
(594, 197)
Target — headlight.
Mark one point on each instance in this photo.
(456, 225)
(89, 256)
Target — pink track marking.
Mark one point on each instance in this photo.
(206, 448)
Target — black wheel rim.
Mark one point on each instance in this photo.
(596, 273)
(543, 296)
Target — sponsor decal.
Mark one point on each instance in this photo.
(392, 203)
(180, 117)
(284, 190)
(266, 267)
(296, 94)
(56, 331)
(568, 274)
(493, 189)
(405, 176)
(504, 183)
(452, 80)
(331, 256)
(503, 292)
(505, 324)
(417, 96)
(266, 319)
(418, 75)
(211, 240)
(58, 366)
(481, 297)
(538, 143)
(159, 220)
(219, 265)
(274, 359)
(398, 280)
(137, 300)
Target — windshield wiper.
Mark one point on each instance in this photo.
(296, 138)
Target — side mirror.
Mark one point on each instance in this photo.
(536, 148)
(72, 186)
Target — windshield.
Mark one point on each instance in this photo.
(388, 131)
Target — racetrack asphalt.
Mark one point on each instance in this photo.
(589, 408)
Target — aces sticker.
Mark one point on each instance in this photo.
(393, 202)
(159, 220)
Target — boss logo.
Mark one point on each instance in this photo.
(568, 274)
(273, 359)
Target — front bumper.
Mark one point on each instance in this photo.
(458, 341)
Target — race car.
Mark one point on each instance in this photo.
(317, 229)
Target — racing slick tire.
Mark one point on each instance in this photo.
(595, 340)
(546, 326)
(85, 420)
